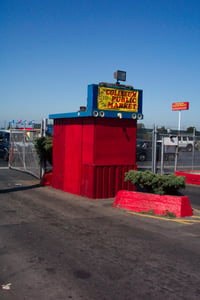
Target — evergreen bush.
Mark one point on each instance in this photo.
(44, 148)
(156, 183)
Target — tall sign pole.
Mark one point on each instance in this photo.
(180, 106)
(179, 121)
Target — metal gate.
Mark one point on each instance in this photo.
(22, 154)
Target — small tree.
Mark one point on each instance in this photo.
(162, 130)
(156, 183)
(44, 148)
(191, 129)
(140, 126)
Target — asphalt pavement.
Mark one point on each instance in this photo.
(15, 179)
(55, 245)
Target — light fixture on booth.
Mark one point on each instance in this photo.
(134, 116)
(95, 113)
(120, 76)
(119, 115)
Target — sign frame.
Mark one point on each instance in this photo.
(115, 99)
(180, 106)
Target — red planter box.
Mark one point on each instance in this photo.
(140, 202)
(189, 177)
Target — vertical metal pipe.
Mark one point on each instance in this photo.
(179, 121)
(193, 148)
(24, 146)
(10, 149)
(176, 158)
(162, 157)
(154, 149)
(44, 125)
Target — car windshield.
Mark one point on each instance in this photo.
(4, 136)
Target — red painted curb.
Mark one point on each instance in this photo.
(47, 180)
(189, 177)
(142, 202)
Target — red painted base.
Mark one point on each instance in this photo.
(142, 202)
(47, 179)
(189, 177)
(91, 155)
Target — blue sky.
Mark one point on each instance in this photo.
(50, 50)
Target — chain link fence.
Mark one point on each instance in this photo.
(22, 152)
(164, 153)
(158, 151)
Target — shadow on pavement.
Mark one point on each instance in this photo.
(21, 188)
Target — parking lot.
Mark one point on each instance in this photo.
(185, 161)
(55, 245)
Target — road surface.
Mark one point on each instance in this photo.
(54, 245)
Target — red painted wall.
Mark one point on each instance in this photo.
(58, 153)
(73, 159)
(91, 155)
(115, 141)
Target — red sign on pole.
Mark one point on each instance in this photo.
(180, 106)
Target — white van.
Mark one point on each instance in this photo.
(186, 142)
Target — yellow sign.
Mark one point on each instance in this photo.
(117, 99)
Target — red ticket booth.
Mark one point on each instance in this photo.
(92, 149)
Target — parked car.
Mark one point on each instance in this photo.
(141, 149)
(144, 150)
(4, 144)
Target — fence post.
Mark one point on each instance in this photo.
(154, 149)
(44, 125)
(24, 146)
(176, 158)
(162, 157)
(193, 148)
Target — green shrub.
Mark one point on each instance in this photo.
(156, 183)
(169, 214)
(44, 147)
